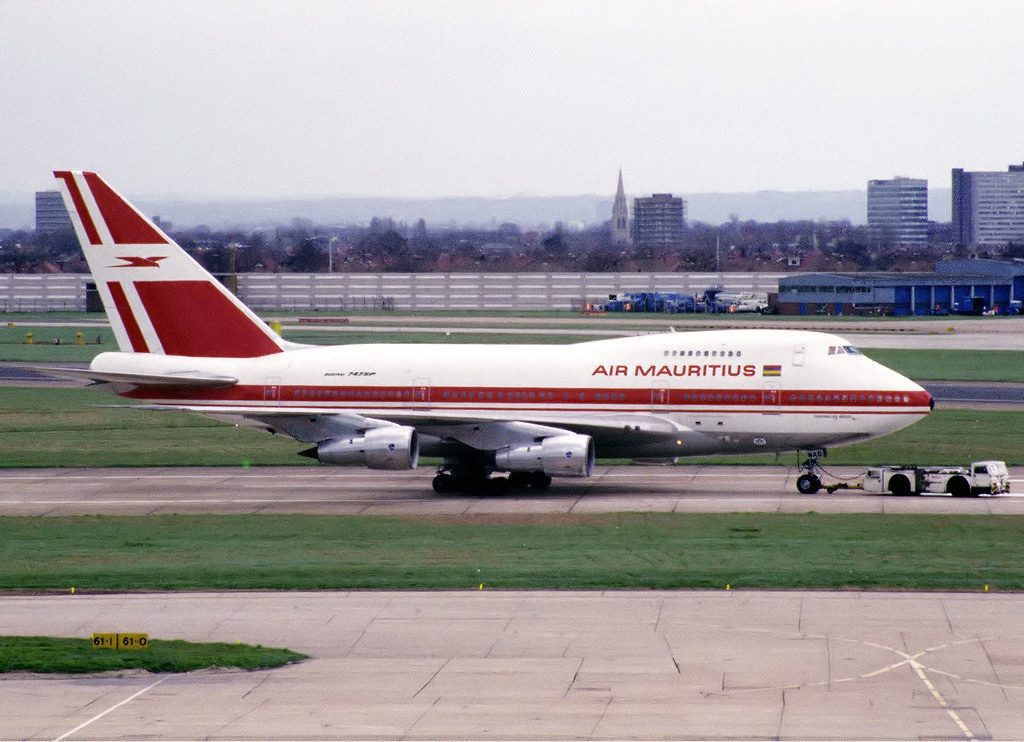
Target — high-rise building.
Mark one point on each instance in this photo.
(51, 215)
(898, 211)
(620, 216)
(988, 207)
(658, 219)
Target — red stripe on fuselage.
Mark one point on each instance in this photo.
(379, 409)
(124, 311)
(124, 223)
(454, 397)
(83, 212)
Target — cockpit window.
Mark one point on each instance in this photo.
(835, 350)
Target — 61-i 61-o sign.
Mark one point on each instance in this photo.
(120, 641)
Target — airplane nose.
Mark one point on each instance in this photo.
(928, 395)
(919, 394)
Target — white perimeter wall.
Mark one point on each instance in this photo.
(345, 291)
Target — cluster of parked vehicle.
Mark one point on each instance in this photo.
(711, 301)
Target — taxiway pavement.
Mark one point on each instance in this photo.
(343, 490)
(679, 664)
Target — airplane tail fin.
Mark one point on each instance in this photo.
(159, 300)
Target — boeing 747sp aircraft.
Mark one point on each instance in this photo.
(533, 412)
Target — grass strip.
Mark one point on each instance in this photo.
(53, 654)
(44, 350)
(68, 427)
(945, 365)
(918, 364)
(315, 337)
(609, 551)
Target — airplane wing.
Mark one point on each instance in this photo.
(184, 379)
(470, 429)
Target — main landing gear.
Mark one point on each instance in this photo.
(809, 482)
(468, 479)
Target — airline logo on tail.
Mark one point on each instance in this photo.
(179, 309)
(134, 262)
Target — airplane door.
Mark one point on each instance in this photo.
(659, 397)
(799, 353)
(272, 389)
(771, 398)
(421, 390)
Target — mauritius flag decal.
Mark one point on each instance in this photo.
(775, 370)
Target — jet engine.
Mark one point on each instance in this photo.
(569, 455)
(389, 447)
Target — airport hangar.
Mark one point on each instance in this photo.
(979, 284)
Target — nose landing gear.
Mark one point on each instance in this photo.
(809, 482)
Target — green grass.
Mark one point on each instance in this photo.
(46, 427)
(70, 317)
(66, 428)
(984, 365)
(932, 365)
(437, 336)
(613, 551)
(52, 654)
(14, 348)
(945, 365)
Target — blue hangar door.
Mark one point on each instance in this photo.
(902, 306)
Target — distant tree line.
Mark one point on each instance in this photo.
(387, 246)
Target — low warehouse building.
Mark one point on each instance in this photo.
(955, 286)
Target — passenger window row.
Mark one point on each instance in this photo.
(704, 353)
(540, 395)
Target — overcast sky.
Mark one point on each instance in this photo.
(264, 99)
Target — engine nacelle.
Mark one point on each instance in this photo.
(569, 455)
(390, 447)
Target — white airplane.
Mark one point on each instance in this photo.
(535, 412)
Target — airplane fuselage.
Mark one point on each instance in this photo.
(674, 394)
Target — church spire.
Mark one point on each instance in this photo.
(620, 215)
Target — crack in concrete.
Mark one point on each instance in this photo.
(261, 682)
(574, 676)
(361, 635)
(597, 723)
(995, 673)
(420, 717)
(431, 678)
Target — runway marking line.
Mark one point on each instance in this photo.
(117, 705)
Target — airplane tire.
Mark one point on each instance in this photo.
(519, 480)
(497, 485)
(443, 484)
(539, 481)
(808, 484)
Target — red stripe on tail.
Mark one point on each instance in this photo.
(76, 198)
(127, 318)
(124, 223)
(194, 318)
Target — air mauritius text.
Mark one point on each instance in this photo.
(710, 369)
